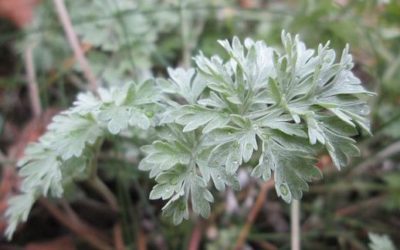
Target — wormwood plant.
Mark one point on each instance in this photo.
(271, 110)
(107, 26)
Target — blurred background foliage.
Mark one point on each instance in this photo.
(136, 39)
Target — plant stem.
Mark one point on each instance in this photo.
(262, 196)
(387, 152)
(295, 224)
(79, 228)
(32, 82)
(98, 185)
(118, 239)
(368, 204)
(74, 43)
(197, 233)
(104, 191)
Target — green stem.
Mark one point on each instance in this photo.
(96, 183)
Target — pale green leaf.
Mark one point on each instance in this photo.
(380, 242)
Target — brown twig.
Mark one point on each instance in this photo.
(104, 191)
(262, 196)
(117, 232)
(32, 83)
(74, 43)
(141, 240)
(67, 64)
(346, 211)
(196, 235)
(387, 152)
(84, 231)
(266, 245)
(109, 197)
(73, 217)
(117, 235)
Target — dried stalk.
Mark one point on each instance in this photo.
(74, 43)
(32, 82)
(262, 196)
(84, 231)
(295, 225)
(196, 235)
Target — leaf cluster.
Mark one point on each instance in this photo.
(66, 151)
(276, 108)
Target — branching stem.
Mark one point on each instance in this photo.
(79, 228)
(97, 184)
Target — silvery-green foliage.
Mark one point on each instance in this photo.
(179, 164)
(380, 242)
(129, 31)
(123, 33)
(64, 152)
(281, 106)
(272, 110)
(119, 28)
(47, 45)
(114, 18)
